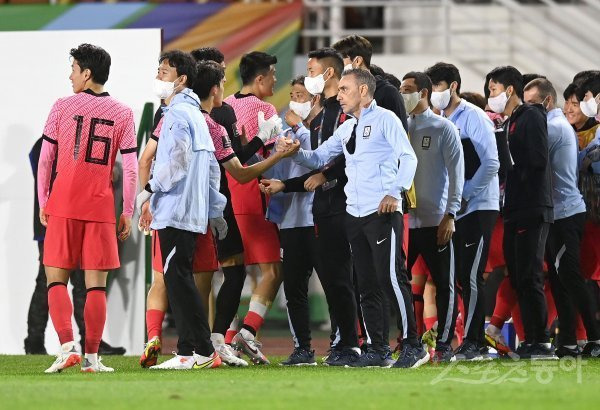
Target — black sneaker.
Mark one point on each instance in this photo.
(411, 357)
(374, 358)
(591, 349)
(537, 351)
(107, 350)
(443, 354)
(300, 357)
(468, 351)
(563, 351)
(34, 346)
(343, 357)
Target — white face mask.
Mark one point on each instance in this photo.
(302, 109)
(440, 99)
(589, 108)
(411, 100)
(315, 85)
(163, 89)
(498, 103)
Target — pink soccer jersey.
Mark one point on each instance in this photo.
(246, 109)
(223, 150)
(87, 129)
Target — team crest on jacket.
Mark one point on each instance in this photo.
(367, 132)
(426, 142)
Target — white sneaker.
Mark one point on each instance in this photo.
(251, 347)
(176, 363)
(90, 367)
(211, 362)
(68, 357)
(228, 355)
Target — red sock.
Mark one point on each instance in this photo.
(94, 315)
(430, 321)
(229, 335)
(580, 329)
(253, 322)
(506, 299)
(518, 323)
(459, 329)
(61, 310)
(550, 303)
(154, 321)
(419, 305)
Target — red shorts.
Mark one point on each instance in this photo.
(496, 255)
(205, 254)
(73, 243)
(260, 238)
(590, 251)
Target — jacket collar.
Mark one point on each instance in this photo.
(368, 108)
(555, 112)
(185, 96)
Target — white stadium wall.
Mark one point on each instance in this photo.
(34, 71)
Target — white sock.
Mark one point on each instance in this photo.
(217, 339)
(258, 308)
(581, 343)
(572, 347)
(67, 347)
(246, 334)
(546, 345)
(92, 358)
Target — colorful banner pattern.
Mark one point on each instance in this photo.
(235, 28)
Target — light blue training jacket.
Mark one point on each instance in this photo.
(383, 162)
(185, 178)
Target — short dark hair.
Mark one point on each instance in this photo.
(393, 80)
(444, 72)
(570, 91)
(474, 98)
(376, 70)
(507, 76)
(208, 74)
(93, 58)
(592, 84)
(422, 81)
(527, 78)
(544, 87)
(254, 64)
(363, 77)
(581, 76)
(299, 80)
(330, 57)
(486, 90)
(183, 63)
(354, 46)
(208, 53)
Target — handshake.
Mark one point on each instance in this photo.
(287, 147)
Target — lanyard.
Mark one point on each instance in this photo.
(335, 126)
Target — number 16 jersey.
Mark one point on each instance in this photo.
(88, 129)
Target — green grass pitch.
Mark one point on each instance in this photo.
(500, 384)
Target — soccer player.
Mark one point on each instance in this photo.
(85, 131)
(439, 181)
(480, 199)
(184, 201)
(209, 87)
(324, 69)
(260, 237)
(380, 164)
(528, 205)
(173, 65)
(563, 246)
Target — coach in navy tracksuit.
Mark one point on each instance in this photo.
(480, 199)
(380, 165)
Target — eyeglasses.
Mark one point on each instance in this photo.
(351, 144)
